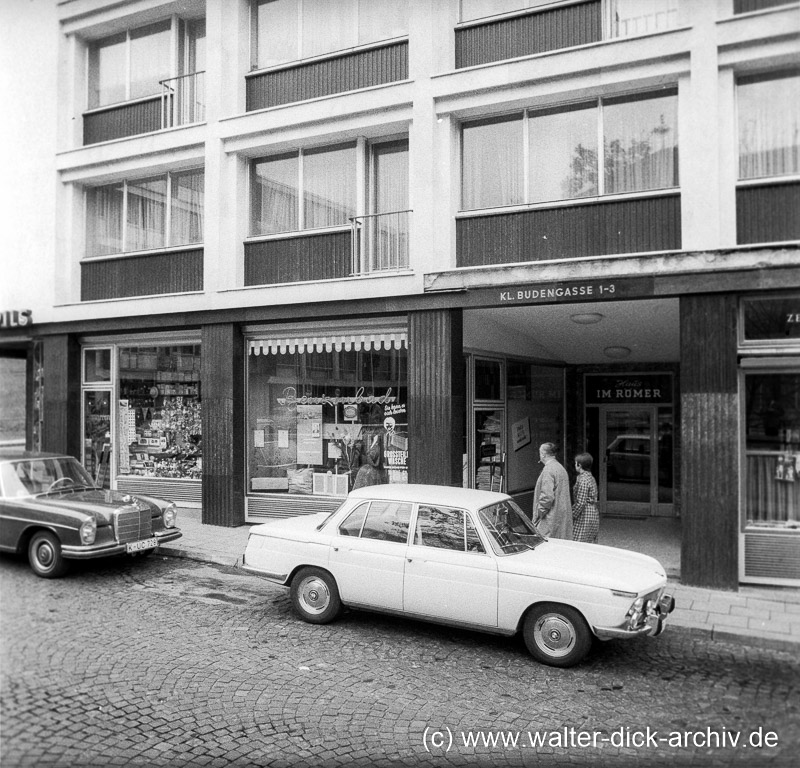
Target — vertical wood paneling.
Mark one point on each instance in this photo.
(338, 74)
(222, 374)
(620, 226)
(525, 35)
(119, 122)
(436, 396)
(768, 213)
(147, 275)
(61, 431)
(298, 259)
(709, 437)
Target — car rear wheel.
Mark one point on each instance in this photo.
(44, 555)
(557, 635)
(315, 596)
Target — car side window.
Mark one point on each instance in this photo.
(387, 521)
(446, 528)
(351, 526)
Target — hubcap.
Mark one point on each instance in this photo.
(555, 635)
(314, 595)
(45, 555)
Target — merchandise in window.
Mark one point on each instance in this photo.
(289, 30)
(326, 422)
(144, 214)
(160, 412)
(769, 125)
(772, 450)
(567, 160)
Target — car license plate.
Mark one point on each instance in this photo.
(138, 546)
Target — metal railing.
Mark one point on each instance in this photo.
(183, 100)
(380, 242)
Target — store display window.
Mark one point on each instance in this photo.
(772, 449)
(326, 415)
(160, 424)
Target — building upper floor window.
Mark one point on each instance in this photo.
(317, 188)
(609, 146)
(132, 64)
(142, 214)
(769, 124)
(621, 17)
(289, 30)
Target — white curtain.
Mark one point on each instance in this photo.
(329, 26)
(492, 168)
(329, 187)
(146, 214)
(640, 144)
(187, 208)
(104, 220)
(769, 127)
(381, 20)
(275, 196)
(277, 22)
(150, 59)
(563, 155)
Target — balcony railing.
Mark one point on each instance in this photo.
(183, 100)
(380, 242)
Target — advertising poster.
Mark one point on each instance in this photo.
(309, 434)
(395, 425)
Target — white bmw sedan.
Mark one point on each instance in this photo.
(461, 557)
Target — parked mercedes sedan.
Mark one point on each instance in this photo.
(461, 557)
(51, 510)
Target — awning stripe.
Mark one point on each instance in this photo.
(328, 343)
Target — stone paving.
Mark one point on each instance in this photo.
(166, 662)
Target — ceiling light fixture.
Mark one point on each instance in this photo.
(617, 353)
(586, 318)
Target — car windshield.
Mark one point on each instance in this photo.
(29, 477)
(509, 529)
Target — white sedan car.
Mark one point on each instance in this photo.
(465, 558)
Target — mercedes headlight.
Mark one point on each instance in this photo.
(170, 515)
(88, 531)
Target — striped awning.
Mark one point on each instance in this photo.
(329, 342)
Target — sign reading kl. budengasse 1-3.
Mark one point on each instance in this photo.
(565, 292)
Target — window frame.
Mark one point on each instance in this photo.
(528, 114)
(168, 202)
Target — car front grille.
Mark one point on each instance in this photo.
(133, 524)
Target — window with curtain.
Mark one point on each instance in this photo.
(769, 125)
(492, 160)
(144, 214)
(639, 152)
(478, 9)
(129, 65)
(289, 30)
(772, 449)
(308, 189)
(640, 17)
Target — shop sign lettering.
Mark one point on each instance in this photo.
(16, 318)
(291, 399)
(655, 388)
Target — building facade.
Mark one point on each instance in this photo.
(302, 245)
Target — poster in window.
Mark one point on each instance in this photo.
(309, 434)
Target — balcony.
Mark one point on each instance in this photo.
(181, 102)
(380, 242)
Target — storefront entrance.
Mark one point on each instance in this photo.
(636, 477)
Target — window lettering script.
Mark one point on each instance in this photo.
(290, 398)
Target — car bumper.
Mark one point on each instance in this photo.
(654, 623)
(105, 550)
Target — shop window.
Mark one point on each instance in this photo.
(97, 365)
(769, 125)
(144, 214)
(772, 449)
(606, 147)
(290, 30)
(326, 414)
(772, 321)
(160, 412)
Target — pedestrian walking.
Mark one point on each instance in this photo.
(585, 515)
(552, 509)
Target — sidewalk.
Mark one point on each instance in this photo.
(767, 617)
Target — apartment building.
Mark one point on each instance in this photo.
(298, 238)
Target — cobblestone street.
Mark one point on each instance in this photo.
(165, 662)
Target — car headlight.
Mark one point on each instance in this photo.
(170, 515)
(88, 531)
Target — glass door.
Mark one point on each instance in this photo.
(97, 453)
(629, 467)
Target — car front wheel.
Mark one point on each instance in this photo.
(315, 596)
(557, 635)
(44, 555)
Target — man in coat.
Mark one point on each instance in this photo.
(552, 508)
